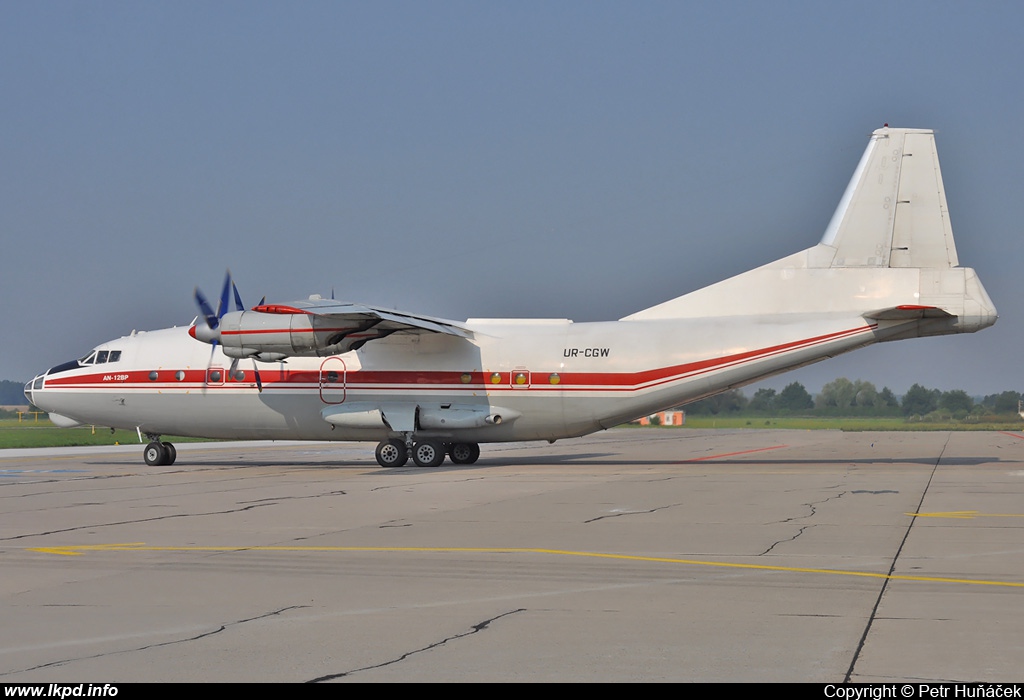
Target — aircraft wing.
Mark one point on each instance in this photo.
(315, 327)
(353, 325)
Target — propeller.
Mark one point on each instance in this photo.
(211, 333)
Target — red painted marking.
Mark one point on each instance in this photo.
(1019, 437)
(279, 309)
(732, 454)
(410, 379)
(257, 331)
(914, 307)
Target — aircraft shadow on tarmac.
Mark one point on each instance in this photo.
(597, 459)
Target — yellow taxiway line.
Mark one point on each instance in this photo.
(77, 550)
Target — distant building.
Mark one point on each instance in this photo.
(664, 418)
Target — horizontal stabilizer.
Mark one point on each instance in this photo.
(908, 312)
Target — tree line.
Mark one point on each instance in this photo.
(12, 393)
(842, 397)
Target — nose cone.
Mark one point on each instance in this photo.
(202, 332)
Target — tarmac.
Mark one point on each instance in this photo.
(637, 554)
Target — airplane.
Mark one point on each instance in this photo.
(885, 269)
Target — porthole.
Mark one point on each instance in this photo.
(215, 375)
(520, 378)
(554, 378)
(496, 378)
(466, 378)
(239, 375)
(332, 377)
(180, 375)
(153, 375)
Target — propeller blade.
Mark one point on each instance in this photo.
(239, 306)
(212, 319)
(256, 371)
(224, 293)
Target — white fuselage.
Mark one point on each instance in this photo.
(558, 378)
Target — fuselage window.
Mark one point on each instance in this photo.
(101, 356)
(88, 359)
(115, 356)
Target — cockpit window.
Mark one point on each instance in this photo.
(99, 357)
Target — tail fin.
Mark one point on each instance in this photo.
(887, 255)
(894, 213)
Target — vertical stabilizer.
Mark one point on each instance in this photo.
(894, 213)
(886, 255)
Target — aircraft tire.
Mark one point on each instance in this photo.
(172, 454)
(392, 453)
(428, 453)
(155, 454)
(464, 452)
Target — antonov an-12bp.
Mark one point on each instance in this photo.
(885, 269)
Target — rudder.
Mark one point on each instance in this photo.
(894, 212)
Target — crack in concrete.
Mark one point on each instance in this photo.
(631, 512)
(479, 627)
(776, 544)
(133, 522)
(297, 498)
(157, 645)
(813, 507)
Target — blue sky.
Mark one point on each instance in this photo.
(556, 159)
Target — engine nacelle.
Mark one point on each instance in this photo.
(272, 336)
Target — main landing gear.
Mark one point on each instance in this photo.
(159, 454)
(425, 453)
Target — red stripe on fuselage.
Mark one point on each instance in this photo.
(259, 331)
(390, 380)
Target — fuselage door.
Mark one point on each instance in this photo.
(332, 380)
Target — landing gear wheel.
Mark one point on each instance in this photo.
(392, 453)
(155, 454)
(172, 454)
(428, 453)
(464, 452)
